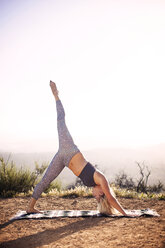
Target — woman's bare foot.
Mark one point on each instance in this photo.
(32, 210)
(54, 90)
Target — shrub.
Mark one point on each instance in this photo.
(156, 187)
(161, 197)
(80, 191)
(39, 170)
(14, 180)
(123, 181)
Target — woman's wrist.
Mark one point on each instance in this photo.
(124, 213)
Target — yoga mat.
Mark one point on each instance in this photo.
(49, 214)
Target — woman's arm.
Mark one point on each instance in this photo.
(103, 183)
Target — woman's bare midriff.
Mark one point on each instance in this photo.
(77, 163)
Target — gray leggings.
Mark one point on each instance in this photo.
(67, 149)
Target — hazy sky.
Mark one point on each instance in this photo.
(108, 60)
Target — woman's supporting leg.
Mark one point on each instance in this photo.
(54, 169)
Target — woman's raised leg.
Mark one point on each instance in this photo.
(65, 139)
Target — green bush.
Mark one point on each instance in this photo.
(78, 191)
(161, 197)
(124, 181)
(14, 180)
(159, 187)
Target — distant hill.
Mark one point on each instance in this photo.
(111, 161)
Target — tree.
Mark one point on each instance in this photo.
(143, 180)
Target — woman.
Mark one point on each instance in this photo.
(69, 155)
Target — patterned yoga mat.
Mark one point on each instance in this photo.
(48, 214)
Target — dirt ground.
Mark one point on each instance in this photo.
(81, 232)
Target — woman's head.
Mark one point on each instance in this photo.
(105, 207)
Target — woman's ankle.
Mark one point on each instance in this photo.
(56, 97)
